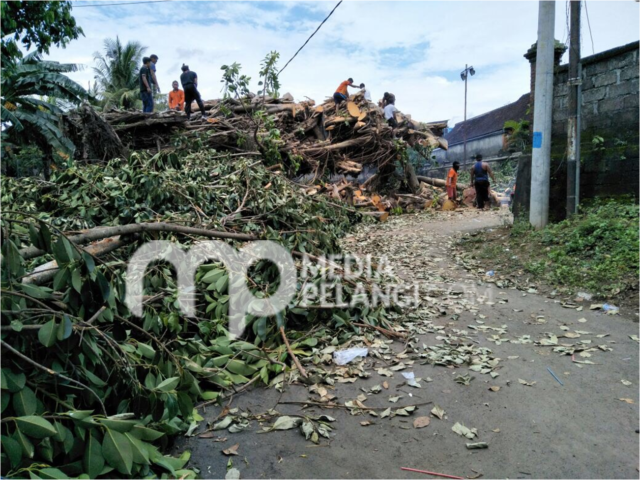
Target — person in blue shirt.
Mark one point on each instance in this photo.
(480, 173)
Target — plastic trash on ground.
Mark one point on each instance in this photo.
(585, 296)
(490, 273)
(411, 379)
(342, 357)
(612, 309)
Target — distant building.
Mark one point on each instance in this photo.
(485, 133)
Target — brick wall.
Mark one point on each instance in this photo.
(609, 160)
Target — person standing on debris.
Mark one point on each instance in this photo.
(176, 97)
(189, 82)
(452, 182)
(388, 98)
(390, 114)
(145, 86)
(366, 92)
(342, 93)
(154, 60)
(480, 173)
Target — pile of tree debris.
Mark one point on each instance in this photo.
(302, 137)
(88, 387)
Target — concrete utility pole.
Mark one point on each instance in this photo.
(542, 116)
(573, 122)
(464, 76)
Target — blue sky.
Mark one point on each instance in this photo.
(414, 49)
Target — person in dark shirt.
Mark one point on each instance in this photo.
(145, 86)
(189, 82)
(152, 66)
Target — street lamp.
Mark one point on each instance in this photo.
(464, 75)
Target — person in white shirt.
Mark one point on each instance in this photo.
(389, 115)
(367, 93)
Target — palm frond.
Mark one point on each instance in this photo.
(8, 116)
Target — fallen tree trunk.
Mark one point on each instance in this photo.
(99, 233)
(45, 273)
(437, 182)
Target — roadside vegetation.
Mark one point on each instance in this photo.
(595, 251)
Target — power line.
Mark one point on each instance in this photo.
(316, 31)
(118, 4)
(586, 10)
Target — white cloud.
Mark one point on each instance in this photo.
(413, 49)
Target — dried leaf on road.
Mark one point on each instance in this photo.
(438, 412)
(494, 389)
(366, 423)
(421, 422)
(232, 474)
(386, 413)
(626, 400)
(626, 383)
(524, 382)
(460, 429)
(232, 450)
(463, 379)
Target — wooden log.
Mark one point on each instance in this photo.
(99, 233)
(437, 182)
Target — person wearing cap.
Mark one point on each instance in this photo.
(154, 60)
(342, 93)
(480, 173)
(189, 82)
(144, 77)
(452, 181)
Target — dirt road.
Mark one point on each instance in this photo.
(580, 429)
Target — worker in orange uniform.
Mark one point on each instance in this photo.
(341, 93)
(176, 98)
(452, 182)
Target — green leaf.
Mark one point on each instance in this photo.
(36, 292)
(25, 402)
(61, 279)
(146, 434)
(105, 288)
(26, 445)
(93, 378)
(6, 398)
(16, 325)
(76, 280)
(93, 461)
(64, 329)
(89, 262)
(14, 382)
(47, 334)
(168, 384)
(140, 452)
(11, 259)
(36, 427)
(121, 426)
(52, 473)
(13, 450)
(116, 449)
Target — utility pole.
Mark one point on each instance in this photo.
(464, 75)
(542, 116)
(573, 123)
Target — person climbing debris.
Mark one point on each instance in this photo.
(387, 98)
(145, 86)
(452, 182)
(480, 173)
(176, 97)
(342, 93)
(189, 82)
(390, 113)
(366, 92)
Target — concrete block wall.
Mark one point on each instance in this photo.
(611, 167)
